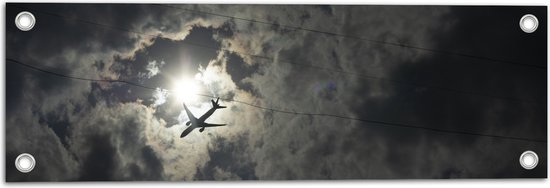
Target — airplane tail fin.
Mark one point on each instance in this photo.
(216, 105)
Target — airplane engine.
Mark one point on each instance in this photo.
(188, 123)
(202, 129)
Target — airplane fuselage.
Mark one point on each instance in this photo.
(197, 123)
(207, 115)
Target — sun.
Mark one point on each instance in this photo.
(186, 90)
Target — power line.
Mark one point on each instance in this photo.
(78, 78)
(353, 37)
(373, 122)
(288, 61)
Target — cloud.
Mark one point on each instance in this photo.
(296, 147)
(112, 145)
(159, 97)
(152, 68)
(54, 162)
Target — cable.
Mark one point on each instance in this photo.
(353, 37)
(78, 78)
(288, 61)
(375, 122)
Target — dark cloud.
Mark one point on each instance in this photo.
(100, 163)
(99, 131)
(228, 161)
(239, 70)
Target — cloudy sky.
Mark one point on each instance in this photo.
(456, 69)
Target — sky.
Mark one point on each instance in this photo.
(453, 68)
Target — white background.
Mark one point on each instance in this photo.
(501, 183)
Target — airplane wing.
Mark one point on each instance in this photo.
(212, 125)
(189, 114)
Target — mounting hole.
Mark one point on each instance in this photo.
(25, 21)
(25, 162)
(528, 160)
(528, 23)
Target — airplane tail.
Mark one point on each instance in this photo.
(216, 105)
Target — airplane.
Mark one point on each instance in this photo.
(199, 123)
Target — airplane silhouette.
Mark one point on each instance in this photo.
(199, 123)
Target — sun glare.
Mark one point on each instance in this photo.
(186, 90)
